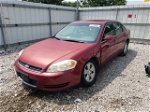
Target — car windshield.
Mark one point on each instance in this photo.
(79, 32)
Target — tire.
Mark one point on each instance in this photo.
(125, 50)
(89, 74)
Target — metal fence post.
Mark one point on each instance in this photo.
(77, 10)
(50, 21)
(2, 30)
(117, 10)
(78, 14)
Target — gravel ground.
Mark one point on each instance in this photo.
(122, 85)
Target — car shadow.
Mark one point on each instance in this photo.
(13, 49)
(107, 74)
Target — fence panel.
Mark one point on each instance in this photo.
(56, 28)
(60, 18)
(26, 33)
(137, 15)
(139, 32)
(25, 21)
(62, 15)
(23, 15)
(21, 23)
(135, 18)
(98, 13)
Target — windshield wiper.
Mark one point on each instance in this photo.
(74, 41)
(68, 40)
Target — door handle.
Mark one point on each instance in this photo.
(108, 43)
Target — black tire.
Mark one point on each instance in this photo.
(125, 50)
(89, 74)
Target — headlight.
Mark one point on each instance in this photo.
(20, 53)
(62, 66)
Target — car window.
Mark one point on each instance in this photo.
(109, 30)
(82, 32)
(119, 28)
(123, 27)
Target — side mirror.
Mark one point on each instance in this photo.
(108, 37)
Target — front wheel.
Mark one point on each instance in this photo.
(89, 74)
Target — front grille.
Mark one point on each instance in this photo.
(57, 86)
(27, 79)
(30, 67)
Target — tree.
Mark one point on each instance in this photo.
(83, 3)
(94, 3)
(104, 2)
(56, 2)
(71, 4)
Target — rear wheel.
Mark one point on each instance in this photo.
(89, 74)
(125, 50)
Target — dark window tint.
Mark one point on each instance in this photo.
(109, 30)
(119, 28)
(123, 27)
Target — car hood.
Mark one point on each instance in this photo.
(50, 50)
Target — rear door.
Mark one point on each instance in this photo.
(120, 36)
(108, 46)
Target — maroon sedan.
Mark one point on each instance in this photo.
(73, 55)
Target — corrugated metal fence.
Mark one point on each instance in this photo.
(135, 18)
(23, 21)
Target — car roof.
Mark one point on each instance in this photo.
(94, 21)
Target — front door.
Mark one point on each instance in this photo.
(108, 46)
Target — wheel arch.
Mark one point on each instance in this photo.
(95, 59)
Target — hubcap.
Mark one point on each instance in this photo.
(89, 72)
